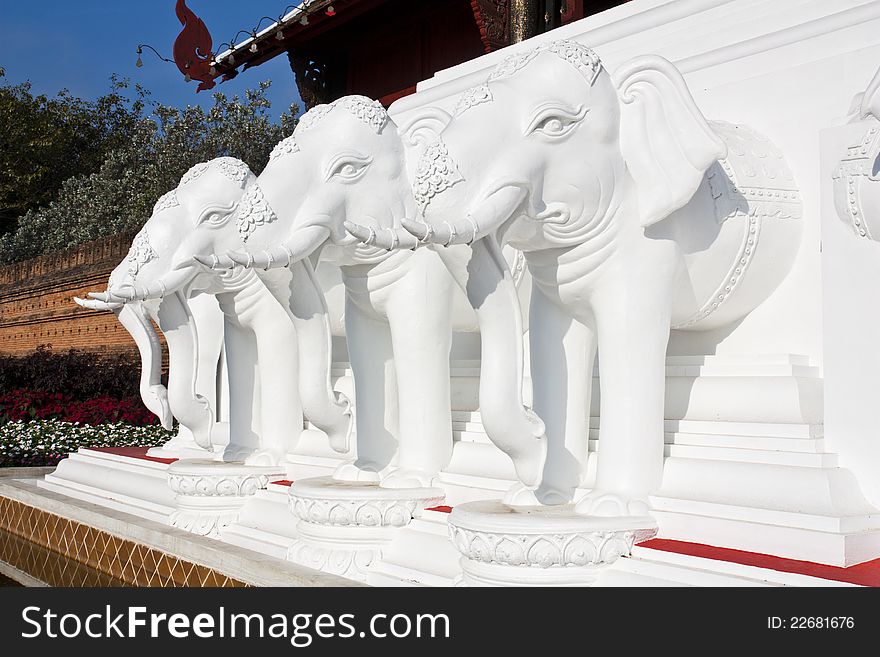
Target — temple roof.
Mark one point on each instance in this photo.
(281, 35)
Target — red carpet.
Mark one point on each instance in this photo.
(132, 453)
(866, 574)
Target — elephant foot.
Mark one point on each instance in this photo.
(262, 457)
(608, 504)
(236, 453)
(529, 460)
(409, 479)
(357, 471)
(521, 495)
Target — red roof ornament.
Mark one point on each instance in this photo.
(192, 48)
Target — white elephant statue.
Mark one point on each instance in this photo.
(265, 354)
(636, 215)
(195, 385)
(346, 161)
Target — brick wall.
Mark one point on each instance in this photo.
(36, 300)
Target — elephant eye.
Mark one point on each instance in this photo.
(214, 216)
(555, 122)
(347, 168)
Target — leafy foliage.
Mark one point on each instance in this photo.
(44, 141)
(126, 160)
(80, 375)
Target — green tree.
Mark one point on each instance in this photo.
(145, 157)
(44, 141)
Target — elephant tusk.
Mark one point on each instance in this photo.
(422, 232)
(94, 304)
(475, 228)
(263, 260)
(397, 238)
(214, 261)
(240, 258)
(452, 233)
(100, 296)
(123, 293)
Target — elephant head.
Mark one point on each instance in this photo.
(196, 217)
(345, 160)
(160, 274)
(563, 149)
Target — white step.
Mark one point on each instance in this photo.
(701, 571)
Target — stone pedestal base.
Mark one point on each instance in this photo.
(344, 525)
(503, 545)
(209, 494)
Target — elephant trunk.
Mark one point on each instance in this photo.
(135, 320)
(305, 241)
(489, 215)
(191, 409)
(391, 239)
(154, 395)
(166, 285)
(483, 274)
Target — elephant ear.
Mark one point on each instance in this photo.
(664, 138)
(424, 127)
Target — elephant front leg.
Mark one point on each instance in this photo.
(244, 392)
(562, 354)
(369, 350)
(281, 417)
(633, 324)
(421, 332)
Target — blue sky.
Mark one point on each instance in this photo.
(78, 44)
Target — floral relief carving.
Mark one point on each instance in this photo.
(240, 485)
(369, 111)
(354, 512)
(166, 201)
(141, 251)
(286, 146)
(584, 59)
(543, 550)
(313, 117)
(194, 173)
(203, 524)
(435, 173)
(253, 211)
(471, 97)
(366, 110)
(353, 564)
(234, 169)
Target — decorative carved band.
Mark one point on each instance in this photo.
(355, 512)
(226, 485)
(590, 548)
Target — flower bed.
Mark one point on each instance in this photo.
(36, 405)
(45, 442)
(51, 404)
